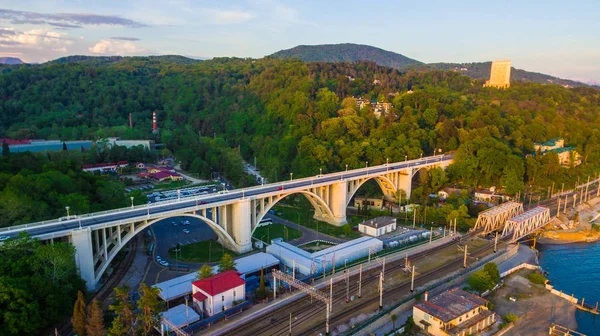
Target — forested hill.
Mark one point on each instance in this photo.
(348, 52)
(177, 59)
(481, 70)
(345, 52)
(297, 117)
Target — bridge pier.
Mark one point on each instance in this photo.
(241, 226)
(337, 202)
(405, 181)
(84, 256)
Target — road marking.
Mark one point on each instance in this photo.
(195, 241)
(158, 274)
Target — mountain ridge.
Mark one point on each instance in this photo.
(346, 52)
(11, 60)
(350, 52)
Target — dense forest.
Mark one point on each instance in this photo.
(345, 52)
(297, 117)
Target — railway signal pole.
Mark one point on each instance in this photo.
(412, 281)
(380, 290)
(465, 259)
(360, 281)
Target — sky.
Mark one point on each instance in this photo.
(559, 38)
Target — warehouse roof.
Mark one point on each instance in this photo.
(379, 222)
(451, 304)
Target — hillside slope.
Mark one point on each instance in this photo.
(10, 60)
(345, 52)
(481, 70)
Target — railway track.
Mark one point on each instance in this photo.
(303, 310)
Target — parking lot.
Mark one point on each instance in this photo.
(166, 195)
(170, 231)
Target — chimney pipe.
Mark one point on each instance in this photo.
(426, 296)
(130, 121)
(154, 121)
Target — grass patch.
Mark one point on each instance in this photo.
(315, 246)
(305, 218)
(204, 251)
(536, 278)
(266, 233)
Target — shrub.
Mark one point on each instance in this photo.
(537, 278)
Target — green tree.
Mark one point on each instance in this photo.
(118, 327)
(226, 263)
(79, 315)
(261, 292)
(95, 319)
(480, 281)
(5, 149)
(123, 308)
(150, 307)
(492, 270)
(394, 318)
(204, 272)
(347, 229)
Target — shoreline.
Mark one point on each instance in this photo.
(549, 241)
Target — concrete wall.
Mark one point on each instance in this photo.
(567, 297)
(520, 267)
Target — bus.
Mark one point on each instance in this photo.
(265, 222)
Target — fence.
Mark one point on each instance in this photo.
(520, 267)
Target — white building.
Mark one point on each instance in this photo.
(378, 226)
(219, 292)
(312, 263)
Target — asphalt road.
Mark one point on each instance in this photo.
(158, 208)
(171, 235)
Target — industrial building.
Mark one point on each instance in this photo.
(310, 263)
(454, 312)
(378, 226)
(246, 266)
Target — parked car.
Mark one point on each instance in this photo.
(3, 238)
(164, 263)
(186, 231)
(158, 259)
(174, 223)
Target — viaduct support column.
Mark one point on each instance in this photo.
(338, 202)
(241, 225)
(405, 181)
(84, 256)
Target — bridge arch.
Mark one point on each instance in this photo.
(224, 238)
(387, 186)
(322, 209)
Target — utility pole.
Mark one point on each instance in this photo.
(566, 201)
(430, 234)
(414, 217)
(331, 294)
(380, 290)
(552, 193)
(412, 281)
(587, 188)
(558, 210)
(347, 274)
(574, 200)
(495, 245)
(562, 189)
(360, 281)
(290, 323)
(294, 269)
(465, 259)
(455, 226)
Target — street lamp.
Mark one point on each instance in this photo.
(178, 194)
(320, 172)
(291, 176)
(421, 155)
(367, 164)
(68, 207)
(262, 181)
(387, 161)
(131, 198)
(346, 167)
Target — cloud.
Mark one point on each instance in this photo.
(123, 38)
(67, 20)
(231, 16)
(107, 47)
(35, 38)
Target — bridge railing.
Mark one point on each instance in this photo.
(75, 218)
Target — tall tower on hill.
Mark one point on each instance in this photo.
(499, 75)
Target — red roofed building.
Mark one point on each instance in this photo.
(219, 292)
